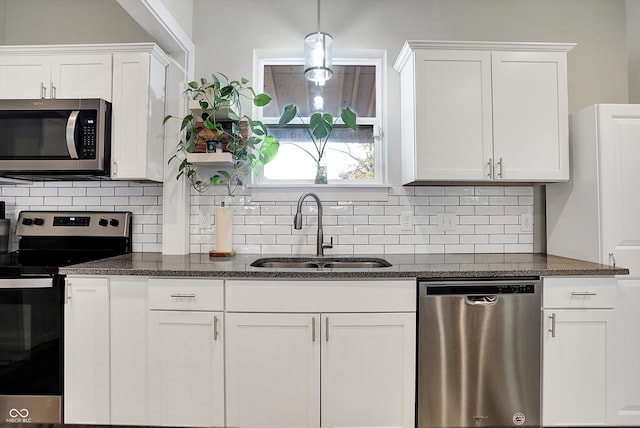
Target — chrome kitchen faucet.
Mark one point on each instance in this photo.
(297, 223)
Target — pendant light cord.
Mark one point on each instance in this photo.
(318, 16)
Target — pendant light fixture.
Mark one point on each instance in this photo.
(318, 65)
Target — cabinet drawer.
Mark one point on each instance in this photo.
(579, 292)
(181, 294)
(398, 295)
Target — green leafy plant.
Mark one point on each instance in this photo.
(320, 127)
(249, 142)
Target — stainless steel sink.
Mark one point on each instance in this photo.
(320, 263)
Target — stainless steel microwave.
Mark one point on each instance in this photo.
(55, 138)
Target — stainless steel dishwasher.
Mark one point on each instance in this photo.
(479, 353)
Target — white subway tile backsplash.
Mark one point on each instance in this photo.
(487, 217)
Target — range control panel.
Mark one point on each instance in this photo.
(81, 223)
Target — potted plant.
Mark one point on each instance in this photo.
(320, 127)
(221, 123)
(247, 140)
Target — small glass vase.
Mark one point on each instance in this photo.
(321, 173)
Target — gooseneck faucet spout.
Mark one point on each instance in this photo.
(297, 223)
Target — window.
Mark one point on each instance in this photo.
(353, 157)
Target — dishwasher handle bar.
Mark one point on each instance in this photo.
(475, 288)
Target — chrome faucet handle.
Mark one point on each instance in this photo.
(328, 245)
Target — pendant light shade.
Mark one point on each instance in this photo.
(318, 48)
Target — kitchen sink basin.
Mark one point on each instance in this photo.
(321, 263)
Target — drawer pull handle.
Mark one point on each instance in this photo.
(583, 293)
(184, 296)
(552, 330)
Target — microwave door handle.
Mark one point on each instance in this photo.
(71, 128)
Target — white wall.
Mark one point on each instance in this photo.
(31, 22)
(182, 11)
(3, 16)
(633, 37)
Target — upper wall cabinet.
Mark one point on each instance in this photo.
(483, 112)
(131, 76)
(34, 73)
(138, 110)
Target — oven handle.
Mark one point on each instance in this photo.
(7, 283)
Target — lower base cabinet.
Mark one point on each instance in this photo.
(578, 343)
(86, 351)
(624, 398)
(185, 370)
(198, 352)
(328, 368)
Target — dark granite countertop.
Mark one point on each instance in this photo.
(403, 266)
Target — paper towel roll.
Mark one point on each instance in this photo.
(224, 232)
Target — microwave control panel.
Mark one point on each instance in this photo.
(88, 132)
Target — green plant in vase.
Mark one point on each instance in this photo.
(320, 127)
(247, 140)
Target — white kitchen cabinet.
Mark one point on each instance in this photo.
(578, 345)
(595, 217)
(273, 369)
(36, 72)
(481, 112)
(296, 356)
(624, 392)
(128, 349)
(186, 352)
(138, 112)
(131, 76)
(86, 351)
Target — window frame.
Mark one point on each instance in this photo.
(375, 58)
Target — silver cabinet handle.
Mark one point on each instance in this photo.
(612, 259)
(53, 91)
(43, 91)
(326, 329)
(500, 168)
(583, 293)
(215, 327)
(67, 291)
(552, 330)
(313, 329)
(184, 296)
(490, 167)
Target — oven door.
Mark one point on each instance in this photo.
(31, 314)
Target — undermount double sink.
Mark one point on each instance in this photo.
(320, 263)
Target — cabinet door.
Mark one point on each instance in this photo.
(624, 398)
(368, 369)
(575, 374)
(81, 76)
(530, 116)
(86, 351)
(453, 137)
(25, 76)
(273, 370)
(186, 368)
(128, 308)
(619, 128)
(138, 110)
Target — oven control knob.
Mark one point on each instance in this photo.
(114, 222)
(38, 221)
(27, 221)
(103, 222)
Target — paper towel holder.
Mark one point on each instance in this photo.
(225, 252)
